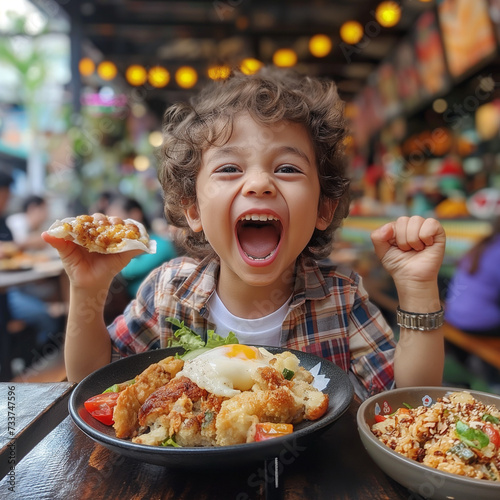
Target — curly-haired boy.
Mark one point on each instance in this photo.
(252, 170)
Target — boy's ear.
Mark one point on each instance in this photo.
(326, 211)
(193, 218)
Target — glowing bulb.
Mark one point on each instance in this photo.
(186, 77)
(351, 32)
(136, 75)
(219, 72)
(320, 45)
(158, 76)
(107, 70)
(285, 58)
(388, 14)
(86, 66)
(249, 66)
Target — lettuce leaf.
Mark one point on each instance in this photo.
(184, 336)
(191, 341)
(215, 340)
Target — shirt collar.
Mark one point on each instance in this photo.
(201, 283)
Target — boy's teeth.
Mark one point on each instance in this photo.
(259, 217)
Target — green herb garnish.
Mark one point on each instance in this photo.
(471, 437)
(490, 418)
(170, 442)
(288, 374)
(120, 387)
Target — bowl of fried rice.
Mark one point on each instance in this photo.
(439, 442)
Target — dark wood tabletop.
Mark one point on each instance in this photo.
(67, 464)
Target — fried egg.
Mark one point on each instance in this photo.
(226, 370)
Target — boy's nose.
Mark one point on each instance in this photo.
(259, 184)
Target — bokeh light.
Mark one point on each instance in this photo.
(250, 65)
(158, 76)
(285, 58)
(136, 75)
(320, 45)
(186, 77)
(86, 66)
(107, 70)
(219, 72)
(155, 138)
(388, 14)
(351, 32)
(141, 163)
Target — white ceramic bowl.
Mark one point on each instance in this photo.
(425, 481)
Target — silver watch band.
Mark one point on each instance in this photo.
(420, 321)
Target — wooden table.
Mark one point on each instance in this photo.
(67, 464)
(40, 271)
(29, 412)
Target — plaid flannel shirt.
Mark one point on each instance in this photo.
(329, 315)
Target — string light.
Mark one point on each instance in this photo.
(219, 72)
(86, 66)
(351, 32)
(249, 66)
(158, 76)
(388, 14)
(186, 77)
(136, 75)
(107, 70)
(320, 45)
(285, 58)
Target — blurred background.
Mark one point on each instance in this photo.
(84, 85)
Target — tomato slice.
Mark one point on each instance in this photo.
(101, 407)
(264, 431)
(493, 434)
(380, 418)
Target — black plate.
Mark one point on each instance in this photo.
(339, 390)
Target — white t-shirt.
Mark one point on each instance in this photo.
(260, 331)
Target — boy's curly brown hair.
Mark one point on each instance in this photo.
(269, 96)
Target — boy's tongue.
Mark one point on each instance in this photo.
(258, 241)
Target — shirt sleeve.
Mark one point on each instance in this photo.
(137, 329)
(372, 345)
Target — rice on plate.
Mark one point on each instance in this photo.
(456, 434)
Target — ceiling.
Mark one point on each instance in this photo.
(173, 33)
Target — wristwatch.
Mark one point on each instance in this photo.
(420, 321)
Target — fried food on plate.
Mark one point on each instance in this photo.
(102, 234)
(134, 396)
(219, 398)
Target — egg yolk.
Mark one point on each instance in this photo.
(241, 351)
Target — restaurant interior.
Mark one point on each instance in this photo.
(85, 85)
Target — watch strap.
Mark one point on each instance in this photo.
(420, 321)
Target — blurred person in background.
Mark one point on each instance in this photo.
(5, 182)
(473, 301)
(473, 297)
(27, 225)
(103, 202)
(24, 308)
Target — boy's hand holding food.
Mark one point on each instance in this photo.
(94, 248)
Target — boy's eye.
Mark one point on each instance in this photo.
(227, 169)
(287, 169)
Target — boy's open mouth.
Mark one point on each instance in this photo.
(258, 235)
